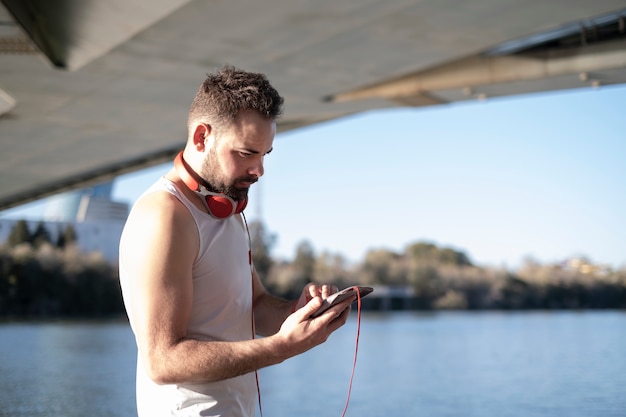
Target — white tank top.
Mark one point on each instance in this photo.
(221, 310)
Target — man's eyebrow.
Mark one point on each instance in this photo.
(256, 152)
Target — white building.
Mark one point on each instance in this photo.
(97, 220)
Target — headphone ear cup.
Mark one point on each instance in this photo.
(241, 205)
(221, 207)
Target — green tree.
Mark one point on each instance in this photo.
(449, 256)
(67, 237)
(41, 235)
(331, 269)
(384, 267)
(422, 273)
(304, 264)
(262, 242)
(19, 234)
(428, 252)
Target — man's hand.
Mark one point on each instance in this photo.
(300, 332)
(311, 291)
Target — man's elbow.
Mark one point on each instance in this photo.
(157, 369)
(158, 375)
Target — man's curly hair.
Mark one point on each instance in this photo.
(225, 92)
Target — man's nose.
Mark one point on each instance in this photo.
(257, 169)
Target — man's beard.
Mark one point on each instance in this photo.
(216, 183)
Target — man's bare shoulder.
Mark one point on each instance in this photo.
(159, 225)
(160, 204)
(160, 213)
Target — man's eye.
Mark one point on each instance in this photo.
(245, 154)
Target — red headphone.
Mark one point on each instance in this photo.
(218, 205)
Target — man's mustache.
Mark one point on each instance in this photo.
(251, 179)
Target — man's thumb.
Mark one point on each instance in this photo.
(311, 307)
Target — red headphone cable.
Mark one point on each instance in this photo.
(256, 372)
(356, 343)
(356, 348)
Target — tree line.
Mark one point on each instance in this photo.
(445, 278)
(40, 277)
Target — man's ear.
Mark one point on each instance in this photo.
(200, 135)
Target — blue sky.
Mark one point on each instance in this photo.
(540, 175)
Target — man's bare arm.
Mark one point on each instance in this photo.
(158, 252)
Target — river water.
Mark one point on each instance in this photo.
(487, 364)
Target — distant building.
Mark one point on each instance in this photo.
(97, 220)
(584, 266)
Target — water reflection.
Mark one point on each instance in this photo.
(67, 369)
(435, 365)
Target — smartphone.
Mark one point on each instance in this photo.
(342, 295)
